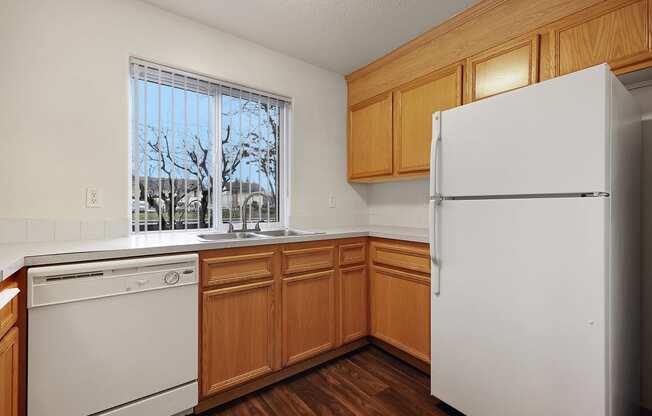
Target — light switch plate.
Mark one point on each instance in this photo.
(93, 198)
(331, 201)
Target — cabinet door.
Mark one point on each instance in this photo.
(414, 104)
(237, 335)
(9, 373)
(618, 37)
(400, 310)
(503, 68)
(370, 138)
(308, 315)
(354, 306)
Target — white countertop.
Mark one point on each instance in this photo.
(15, 256)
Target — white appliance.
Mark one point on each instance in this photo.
(534, 218)
(113, 338)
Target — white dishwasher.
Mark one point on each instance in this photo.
(113, 338)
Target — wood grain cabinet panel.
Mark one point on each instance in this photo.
(503, 68)
(308, 315)
(414, 104)
(9, 373)
(9, 313)
(237, 335)
(354, 305)
(400, 311)
(354, 253)
(300, 260)
(412, 257)
(370, 147)
(236, 267)
(616, 37)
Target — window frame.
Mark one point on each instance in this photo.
(285, 124)
(283, 168)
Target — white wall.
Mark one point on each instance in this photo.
(644, 96)
(403, 203)
(64, 107)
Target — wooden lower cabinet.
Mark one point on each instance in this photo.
(308, 315)
(238, 335)
(354, 306)
(9, 373)
(400, 310)
(273, 310)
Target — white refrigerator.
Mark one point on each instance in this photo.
(534, 240)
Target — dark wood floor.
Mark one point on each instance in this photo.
(365, 382)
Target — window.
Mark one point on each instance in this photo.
(198, 144)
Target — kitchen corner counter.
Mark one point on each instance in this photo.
(15, 256)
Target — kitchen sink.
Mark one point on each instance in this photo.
(286, 232)
(228, 236)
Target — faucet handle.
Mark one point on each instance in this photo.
(257, 226)
(231, 229)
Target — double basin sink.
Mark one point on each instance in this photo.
(286, 232)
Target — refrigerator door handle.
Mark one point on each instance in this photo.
(435, 201)
(434, 152)
(433, 234)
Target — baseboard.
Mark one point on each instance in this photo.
(401, 355)
(262, 382)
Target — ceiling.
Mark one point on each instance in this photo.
(340, 35)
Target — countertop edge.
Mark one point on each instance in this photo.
(12, 265)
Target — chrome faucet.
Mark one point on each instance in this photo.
(243, 209)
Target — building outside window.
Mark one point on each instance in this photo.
(200, 147)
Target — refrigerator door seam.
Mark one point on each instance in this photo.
(524, 196)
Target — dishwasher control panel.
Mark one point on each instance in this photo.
(77, 282)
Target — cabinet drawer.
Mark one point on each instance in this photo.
(299, 260)
(8, 313)
(404, 256)
(237, 268)
(354, 253)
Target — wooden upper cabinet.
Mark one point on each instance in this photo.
(414, 104)
(9, 373)
(370, 138)
(619, 37)
(504, 68)
(237, 335)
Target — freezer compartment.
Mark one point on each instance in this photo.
(549, 138)
(519, 326)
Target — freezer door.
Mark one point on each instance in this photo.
(518, 327)
(544, 139)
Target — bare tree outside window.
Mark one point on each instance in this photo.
(181, 158)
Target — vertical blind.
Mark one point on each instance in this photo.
(200, 147)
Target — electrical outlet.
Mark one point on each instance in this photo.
(331, 201)
(93, 198)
